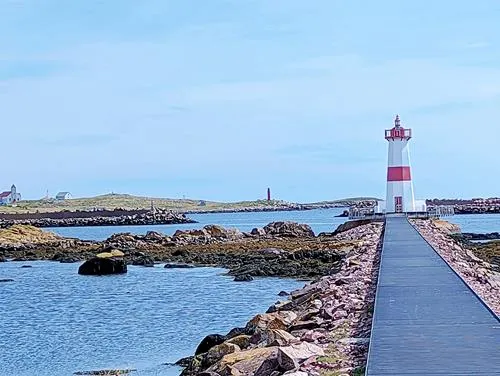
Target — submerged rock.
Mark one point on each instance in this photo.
(105, 372)
(178, 266)
(103, 266)
(6, 280)
(243, 278)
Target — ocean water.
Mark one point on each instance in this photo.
(477, 223)
(55, 322)
(319, 219)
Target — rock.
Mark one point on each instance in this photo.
(308, 290)
(178, 266)
(290, 357)
(304, 325)
(154, 236)
(254, 362)
(191, 236)
(289, 229)
(279, 337)
(217, 352)
(6, 280)
(208, 342)
(243, 278)
(2, 259)
(219, 232)
(144, 261)
(275, 320)
(242, 341)
(26, 266)
(349, 225)
(105, 372)
(112, 253)
(236, 332)
(312, 336)
(103, 266)
(283, 293)
(271, 251)
(183, 362)
(258, 232)
(208, 373)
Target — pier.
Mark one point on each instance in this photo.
(427, 321)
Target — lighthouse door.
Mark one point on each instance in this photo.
(398, 204)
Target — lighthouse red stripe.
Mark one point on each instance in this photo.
(398, 173)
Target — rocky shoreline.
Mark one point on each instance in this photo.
(95, 218)
(283, 249)
(281, 207)
(321, 329)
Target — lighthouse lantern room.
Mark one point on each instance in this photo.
(400, 197)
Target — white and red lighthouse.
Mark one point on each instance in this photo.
(400, 197)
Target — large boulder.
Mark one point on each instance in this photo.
(191, 237)
(219, 232)
(208, 342)
(256, 362)
(103, 266)
(144, 261)
(275, 320)
(217, 352)
(290, 357)
(289, 229)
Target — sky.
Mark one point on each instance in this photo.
(220, 99)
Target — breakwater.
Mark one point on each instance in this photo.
(117, 217)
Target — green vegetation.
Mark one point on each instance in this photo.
(130, 202)
(360, 371)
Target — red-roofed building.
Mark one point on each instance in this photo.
(9, 197)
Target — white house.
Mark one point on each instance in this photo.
(9, 197)
(61, 196)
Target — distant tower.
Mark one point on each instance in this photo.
(13, 190)
(400, 197)
(268, 194)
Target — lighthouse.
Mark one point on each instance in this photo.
(400, 197)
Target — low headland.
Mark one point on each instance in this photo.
(130, 202)
(123, 209)
(321, 329)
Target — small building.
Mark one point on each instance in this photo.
(61, 196)
(10, 197)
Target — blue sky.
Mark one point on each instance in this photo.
(219, 99)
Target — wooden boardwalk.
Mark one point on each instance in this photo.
(427, 321)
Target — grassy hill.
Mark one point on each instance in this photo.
(130, 202)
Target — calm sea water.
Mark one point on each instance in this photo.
(55, 322)
(320, 220)
(478, 223)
